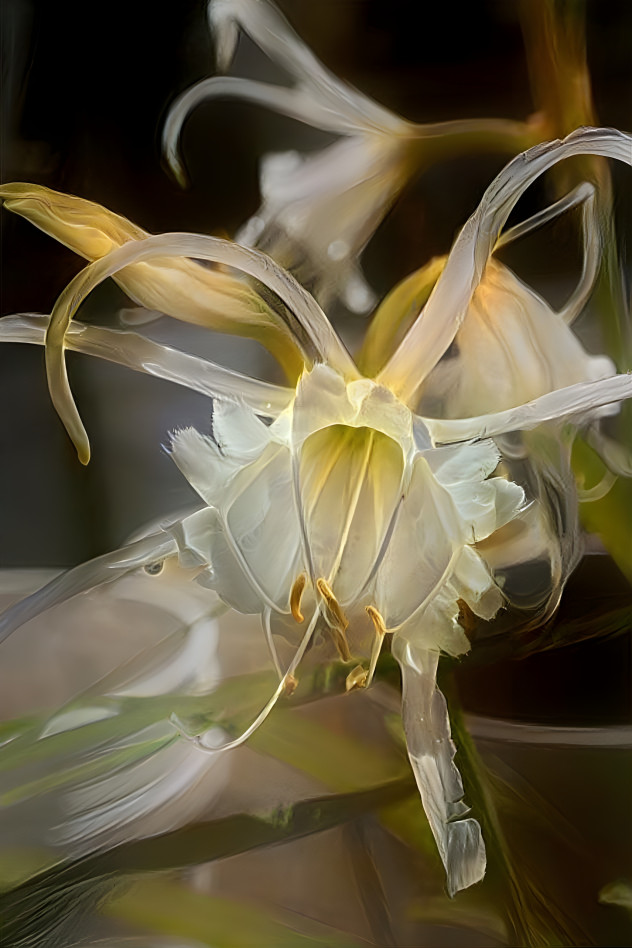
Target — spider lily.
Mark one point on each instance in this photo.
(319, 210)
(333, 510)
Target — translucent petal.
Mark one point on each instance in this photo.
(510, 334)
(421, 548)
(431, 753)
(202, 542)
(435, 328)
(473, 583)
(260, 516)
(582, 398)
(308, 327)
(350, 484)
(103, 569)
(144, 355)
(205, 465)
(269, 29)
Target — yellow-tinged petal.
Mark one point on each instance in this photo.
(396, 314)
(176, 286)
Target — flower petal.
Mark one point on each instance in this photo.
(436, 326)
(585, 397)
(178, 287)
(306, 325)
(102, 569)
(145, 355)
(431, 752)
(202, 542)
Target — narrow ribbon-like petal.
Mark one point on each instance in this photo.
(585, 397)
(103, 569)
(307, 325)
(176, 286)
(436, 326)
(431, 752)
(145, 355)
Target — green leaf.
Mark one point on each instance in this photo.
(611, 516)
(215, 839)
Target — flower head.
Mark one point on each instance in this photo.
(348, 517)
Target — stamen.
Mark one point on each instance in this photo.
(334, 606)
(296, 595)
(357, 678)
(338, 623)
(380, 632)
(291, 683)
(376, 618)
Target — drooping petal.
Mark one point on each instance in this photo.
(145, 355)
(431, 753)
(176, 286)
(269, 29)
(436, 326)
(511, 335)
(307, 326)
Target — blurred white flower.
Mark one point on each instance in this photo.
(320, 210)
(348, 516)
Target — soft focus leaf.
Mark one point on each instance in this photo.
(205, 841)
(611, 516)
(169, 908)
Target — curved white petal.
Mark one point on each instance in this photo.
(431, 752)
(144, 355)
(422, 547)
(251, 539)
(269, 29)
(202, 543)
(585, 397)
(434, 329)
(511, 335)
(262, 525)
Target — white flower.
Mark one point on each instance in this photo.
(348, 516)
(511, 333)
(320, 210)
